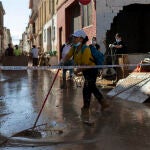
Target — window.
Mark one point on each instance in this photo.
(34, 28)
(87, 15)
(52, 7)
(45, 35)
(45, 12)
(49, 6)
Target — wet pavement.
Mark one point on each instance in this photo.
(125, 126)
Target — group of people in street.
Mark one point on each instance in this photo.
(72, 54)
(10, 51)
(15, 51)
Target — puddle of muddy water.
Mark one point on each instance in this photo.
(125, 123)
(42, 131)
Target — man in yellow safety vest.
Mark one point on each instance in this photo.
(17, 51)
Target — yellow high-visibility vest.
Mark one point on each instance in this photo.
(17, 52)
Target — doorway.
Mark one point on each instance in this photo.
(49, 44)
(60, 42)
(73, 18)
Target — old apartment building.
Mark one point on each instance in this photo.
(43, 24)
(33, 27)
(6, 37)
(50, 26)
(52, 21)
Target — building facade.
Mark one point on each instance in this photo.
(43, 24)
(7, 38)
(53, 21)
(2, 13)
(50, 26)
(72, 15)
(25, 43)
(130, 18)
(33, 23)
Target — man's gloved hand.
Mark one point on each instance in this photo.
(111, 45)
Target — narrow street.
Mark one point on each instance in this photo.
(39, 36)
(125, 126)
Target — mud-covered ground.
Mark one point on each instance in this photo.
(125, 126)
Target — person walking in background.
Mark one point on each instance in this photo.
(9, 51)
(65, 49)
(17, 51)
(34, 54)
(82, 57)
(94, 43)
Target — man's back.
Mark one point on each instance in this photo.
(17, 52)
(34, 52)
(9, 51)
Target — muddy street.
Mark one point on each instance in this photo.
(124, 126)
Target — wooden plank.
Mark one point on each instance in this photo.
(136, 87)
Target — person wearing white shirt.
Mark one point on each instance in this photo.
(35, 54)
(65, 49)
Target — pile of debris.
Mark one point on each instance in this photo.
(143, 66)
(135, 87)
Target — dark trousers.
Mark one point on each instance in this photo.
(35, 61)
(68, 63)
(90, 76)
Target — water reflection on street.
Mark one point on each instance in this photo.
(124, 126)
